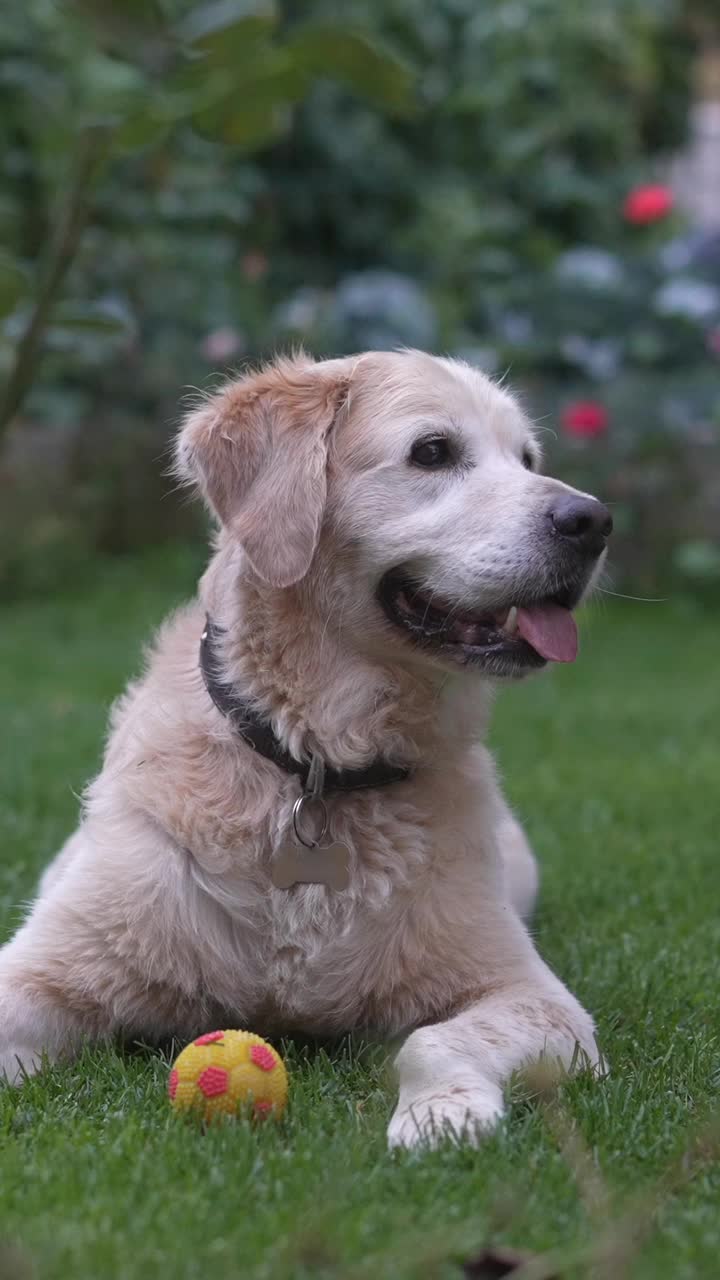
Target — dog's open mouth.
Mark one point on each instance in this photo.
(507, 640)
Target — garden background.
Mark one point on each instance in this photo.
(535, 185)
(189, 186)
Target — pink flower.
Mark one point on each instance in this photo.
(712, 341)
(585, 419)
(254, 264)
(648, 204)
(222, 344)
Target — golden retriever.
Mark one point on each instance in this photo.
(387, 552)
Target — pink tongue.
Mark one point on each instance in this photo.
(550, 630)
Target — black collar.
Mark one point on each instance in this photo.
(259, 735)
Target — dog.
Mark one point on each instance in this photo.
(387, 552)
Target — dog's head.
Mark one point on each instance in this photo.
(403, 490)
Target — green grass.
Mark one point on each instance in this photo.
(614, 766)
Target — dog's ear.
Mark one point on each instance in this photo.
(258, 451)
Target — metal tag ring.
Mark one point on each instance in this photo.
(297, 810)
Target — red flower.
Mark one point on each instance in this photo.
(585, 419)
(648, 204)
(712, 340)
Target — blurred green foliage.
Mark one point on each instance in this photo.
(186, 185)
(139, 118)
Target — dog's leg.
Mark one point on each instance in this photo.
(452, 1073)
(36, 1019)
(60, 863)
(56, 973)
(32, 1031)
(107, 950)
(519, 866)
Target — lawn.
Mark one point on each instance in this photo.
(614, 766)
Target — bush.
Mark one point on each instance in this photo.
(238, 198)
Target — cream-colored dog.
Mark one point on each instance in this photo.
(387, 552)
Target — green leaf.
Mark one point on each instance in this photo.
(192, 88)
(248, 127)
(349, 56)
(189, 91)
(225, 28)
(109, 318)
(122, 26)
(109, 88)
(252, 110)
(251, 130)
(143, 129)
(14, 283)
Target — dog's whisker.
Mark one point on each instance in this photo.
(620, 595)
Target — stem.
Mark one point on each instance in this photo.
(61, 254)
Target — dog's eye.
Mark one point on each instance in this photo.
(433, 451)
(528, 460)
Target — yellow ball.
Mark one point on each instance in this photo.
(229, 1073)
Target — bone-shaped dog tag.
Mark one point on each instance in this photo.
(296, 864)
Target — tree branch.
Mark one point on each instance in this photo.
(61, 254)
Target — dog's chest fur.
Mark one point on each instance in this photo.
(422, 862)
(315, 959)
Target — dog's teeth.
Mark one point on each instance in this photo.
(511, 621)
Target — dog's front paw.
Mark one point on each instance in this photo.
(462, 1114)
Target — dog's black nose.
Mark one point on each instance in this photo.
(583, 521)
